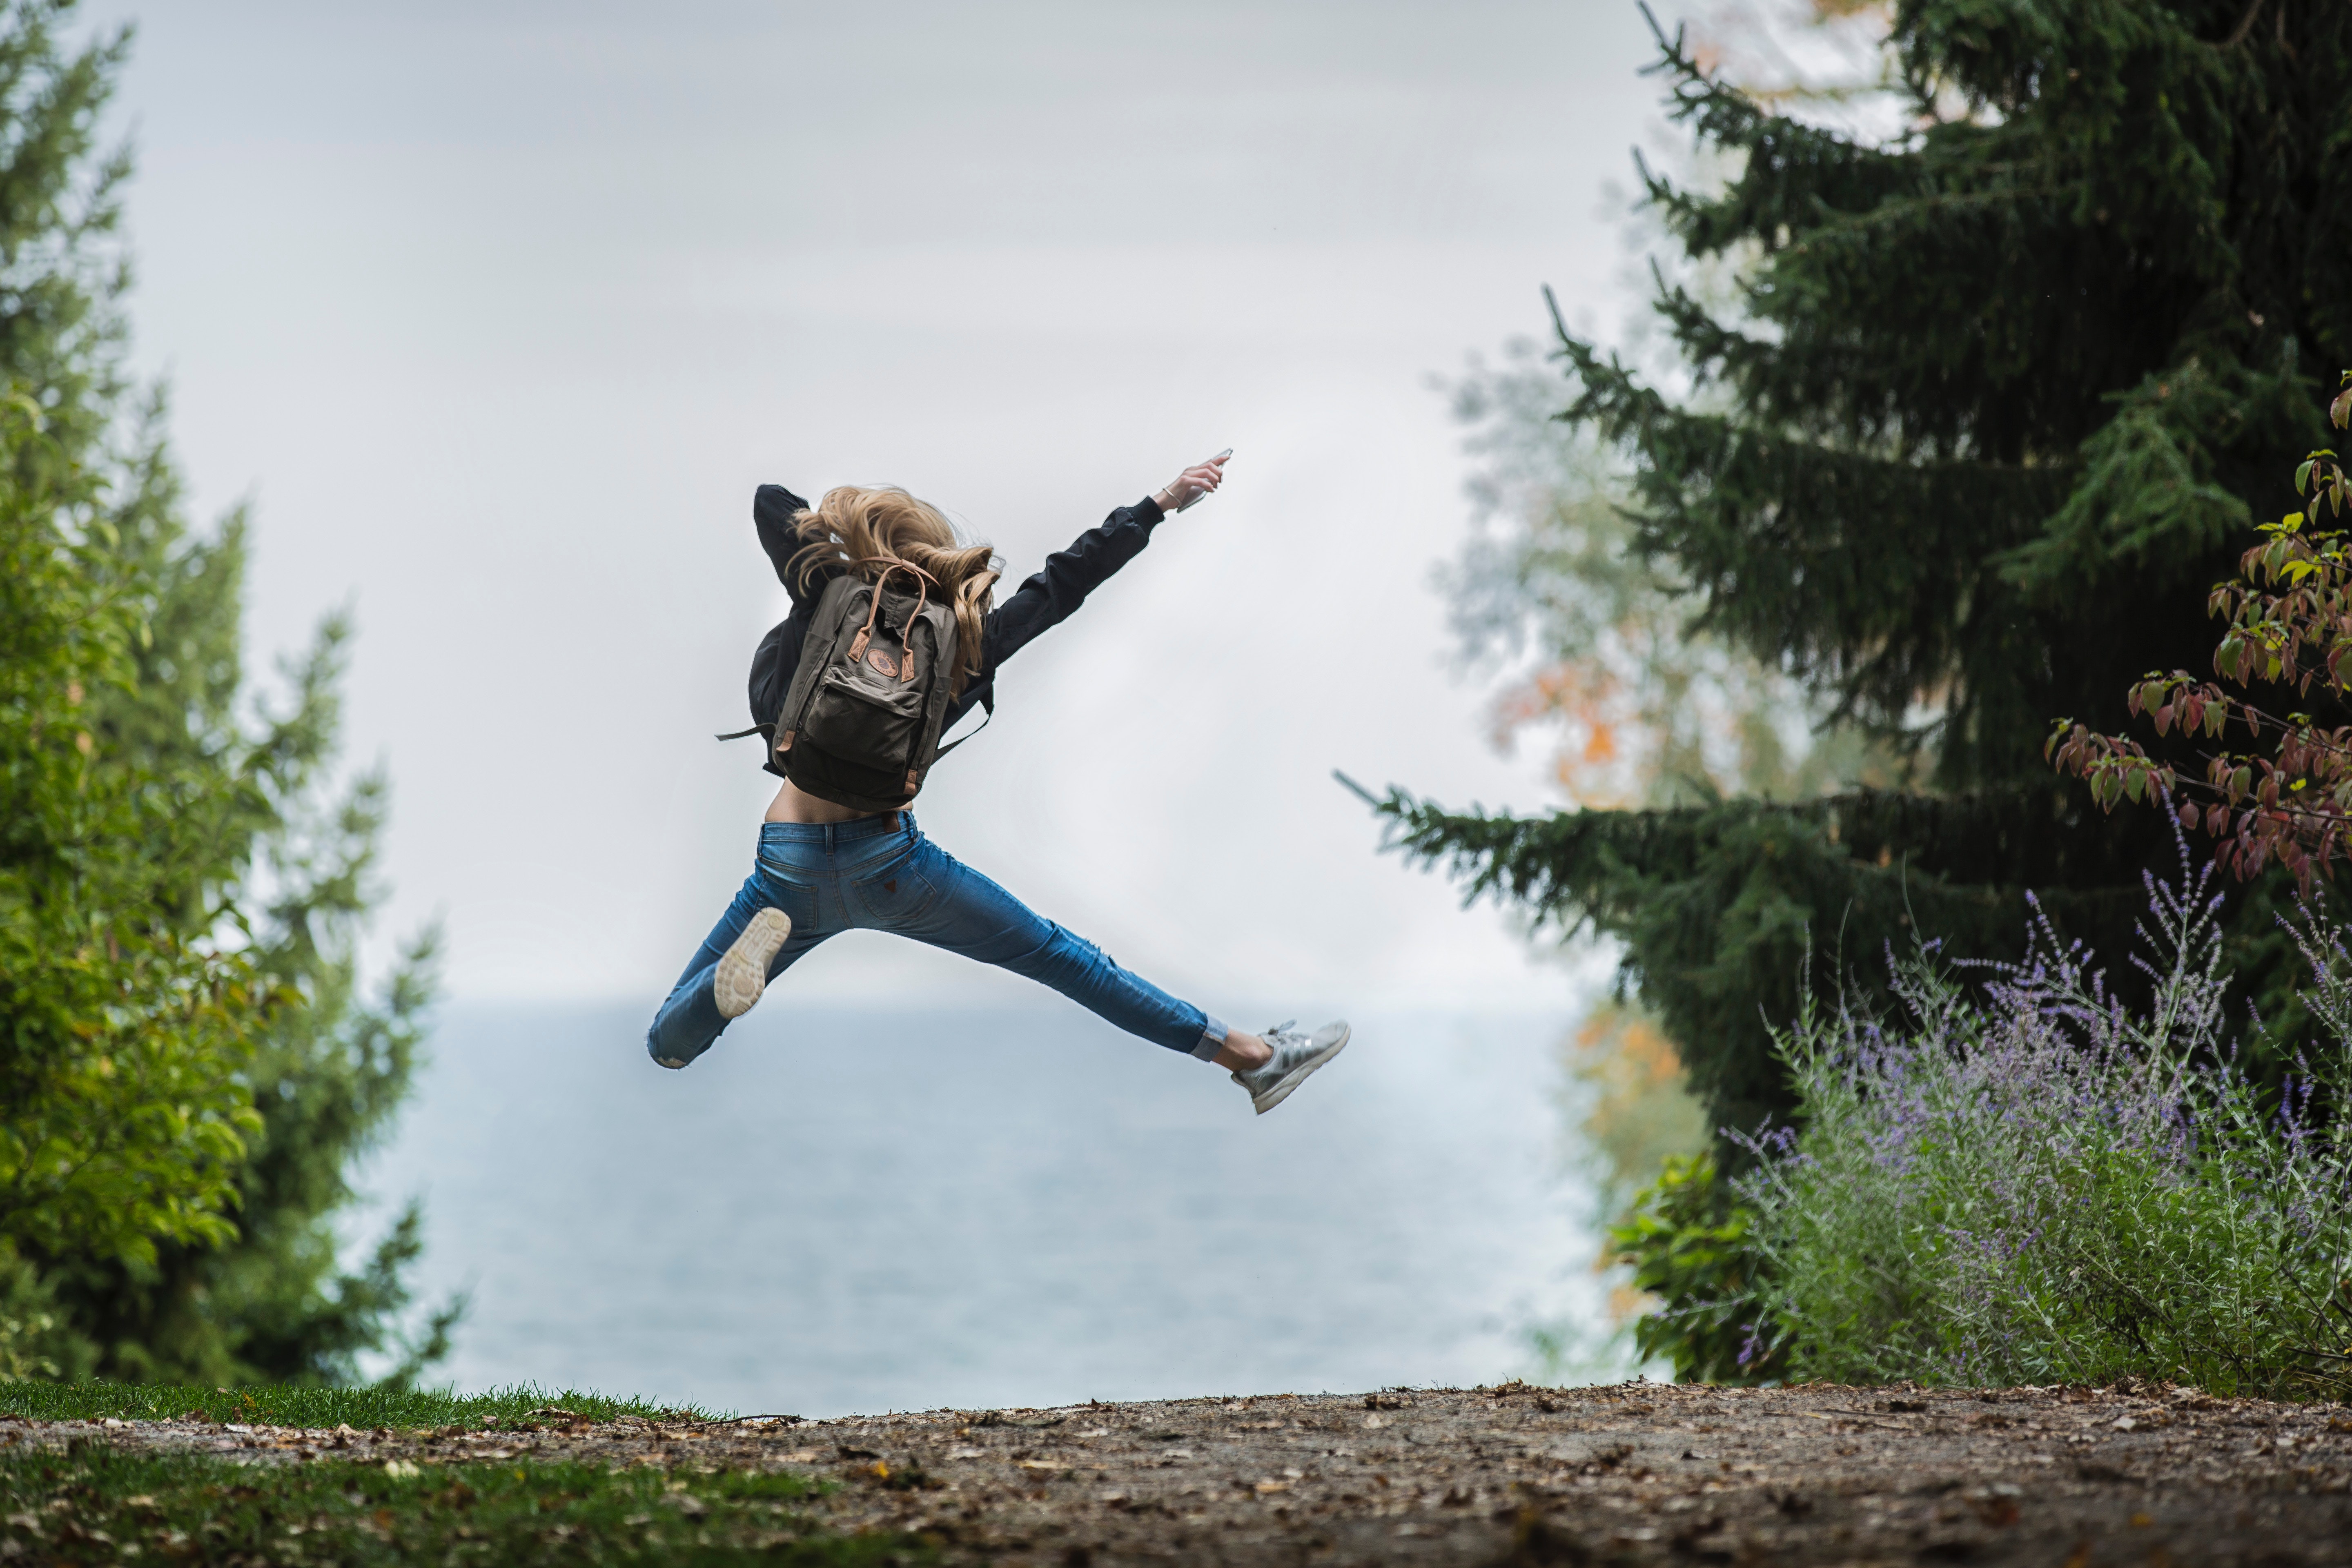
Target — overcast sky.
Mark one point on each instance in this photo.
(498, 313)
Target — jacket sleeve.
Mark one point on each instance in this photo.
(773, 508)
(1048, 598)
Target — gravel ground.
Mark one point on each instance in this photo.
(1638, 1473)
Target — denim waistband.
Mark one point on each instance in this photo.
(831, 833)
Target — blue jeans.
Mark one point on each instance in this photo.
(879, 873)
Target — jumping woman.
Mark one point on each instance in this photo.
(893, 637)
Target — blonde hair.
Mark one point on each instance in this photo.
(861, 529)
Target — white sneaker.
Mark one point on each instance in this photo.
(1295, 1055)
(743, 972)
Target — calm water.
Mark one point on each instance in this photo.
(838, 1211)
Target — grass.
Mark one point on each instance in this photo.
(363, 1408)
(91, 1503)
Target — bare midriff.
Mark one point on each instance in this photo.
(793, 804)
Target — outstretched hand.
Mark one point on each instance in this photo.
(1194, 483)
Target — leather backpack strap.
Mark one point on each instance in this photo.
(924, 581)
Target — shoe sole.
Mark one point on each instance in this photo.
(1298, 1075)
(744, 973)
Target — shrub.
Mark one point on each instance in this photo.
(1691, 1248)
(2029, 1182)
(2289, 615)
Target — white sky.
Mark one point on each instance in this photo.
(498, 313)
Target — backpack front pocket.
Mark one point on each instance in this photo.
(859, 724)
(872, 725)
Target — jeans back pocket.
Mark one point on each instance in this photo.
(790, 888)
(895, 895)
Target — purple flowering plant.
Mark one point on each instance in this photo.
(2017, 1177)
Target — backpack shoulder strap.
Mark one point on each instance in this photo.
(987, 704)
(952, 639)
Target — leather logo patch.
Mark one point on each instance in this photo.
(882, 662)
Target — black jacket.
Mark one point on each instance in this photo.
(1045, 600)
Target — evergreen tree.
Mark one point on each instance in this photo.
(2002, 398)
(326, 1072)
(186, 1073)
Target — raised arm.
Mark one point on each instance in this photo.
(773, 508)
(1047, 597)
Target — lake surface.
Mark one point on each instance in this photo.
(842, 1210)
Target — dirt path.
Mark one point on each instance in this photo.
(1636, 1473)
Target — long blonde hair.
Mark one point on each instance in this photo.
(854, 524)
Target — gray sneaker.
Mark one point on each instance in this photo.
(1295, 1055)
(743, 970)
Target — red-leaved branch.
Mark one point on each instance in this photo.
(2285, 798)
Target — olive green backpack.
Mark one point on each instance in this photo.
(860, 724)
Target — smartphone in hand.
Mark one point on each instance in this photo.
(1196, 499)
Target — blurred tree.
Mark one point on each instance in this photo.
(185, 1071)
(1642, 710)
(1639, 712)
(1998, 391)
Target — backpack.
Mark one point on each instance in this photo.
(860, 724)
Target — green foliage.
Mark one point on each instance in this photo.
(185, 1071)
(1690, 1246)
(94, 1501)
(326, 1070)
(33, 1342)
(1993, 395)
(127, 1111)
(2031, 1182)
(2288, 615)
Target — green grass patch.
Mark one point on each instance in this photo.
(361, 1408)
(92, 1503)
